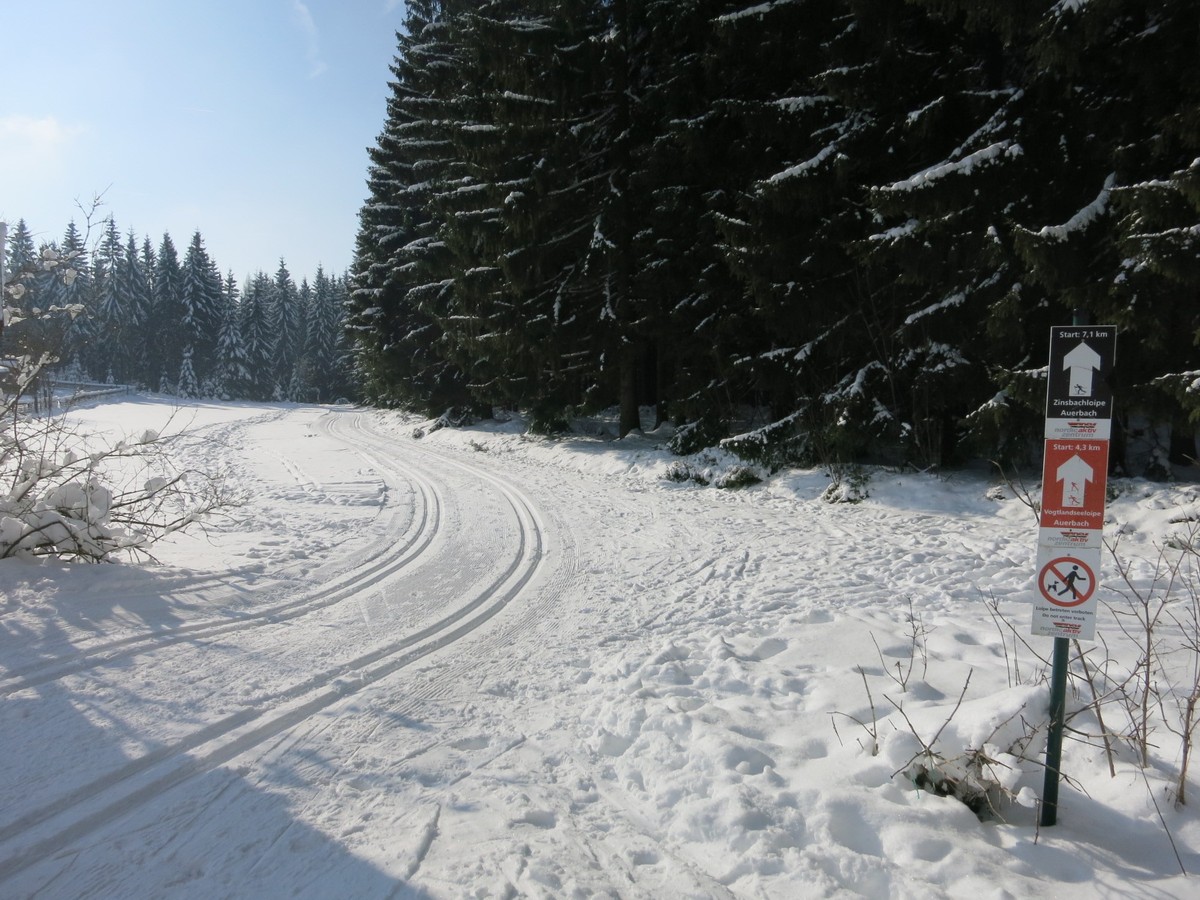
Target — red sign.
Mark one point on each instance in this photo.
(1074, 482)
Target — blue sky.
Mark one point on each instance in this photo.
(246, 119)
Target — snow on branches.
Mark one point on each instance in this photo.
(61, 497)
(60, 494)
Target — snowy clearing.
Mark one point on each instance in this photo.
(479, 664)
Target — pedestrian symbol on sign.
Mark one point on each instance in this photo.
(1067, 581)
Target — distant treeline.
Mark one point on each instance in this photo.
(147, 318)
(836, 229)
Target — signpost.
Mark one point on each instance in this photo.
(3, 265)
(1074, 484)
(1074, 480)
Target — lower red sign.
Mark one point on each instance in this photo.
(1074, 482)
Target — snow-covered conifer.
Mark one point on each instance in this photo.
(164, 333)
(257, 336)
(231, 376)
(201, 300)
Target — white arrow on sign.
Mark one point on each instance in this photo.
(1074, 475)
(1083, 362)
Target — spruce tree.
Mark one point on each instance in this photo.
(187, 384)
(165, 333)
(623, 309)
(135, 285)
(201, 301)
(935, 257)
(791, 134)
(106, 359)
(401, 282)
(258, 337)
(301, 386)
(147, 372)
(73, 292)
(851, 220)
(286, 318)
(231, 377)
(1156, 208)
(22, 257)
(324, 344)
(529, 285)
(685, 167)
(21, 249)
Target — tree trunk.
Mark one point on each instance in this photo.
(661, 372)
(631, 419)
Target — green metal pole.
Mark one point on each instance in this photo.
(3, 267)
(1058, 717)
(1058, 701)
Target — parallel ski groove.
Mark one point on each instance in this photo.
(409, 550)
(145, 779)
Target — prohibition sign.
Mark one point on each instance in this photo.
(1067, 581)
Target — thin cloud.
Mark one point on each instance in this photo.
(43, 134)
(312, 35)
(35, 147)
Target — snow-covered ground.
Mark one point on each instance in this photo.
(478, 664)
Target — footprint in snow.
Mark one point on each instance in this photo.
(747, 760)
(768, 648)
(538, 818)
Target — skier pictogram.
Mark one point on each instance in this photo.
(1083, 362)
(1074, 475)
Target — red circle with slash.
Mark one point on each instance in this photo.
(1059, 581)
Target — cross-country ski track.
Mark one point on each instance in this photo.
(453, 581)
(475, 663)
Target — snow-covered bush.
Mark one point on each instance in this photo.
(773, 446)
(681, 472)
(59, 498)
(978, 753)
(848, 485)
(60, 494)
(454, 417)
(548, 421)
(737, 477)
(692, 437)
